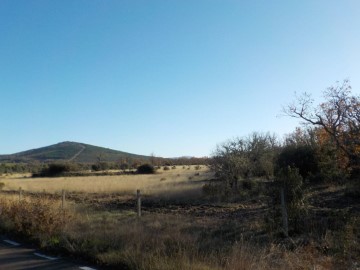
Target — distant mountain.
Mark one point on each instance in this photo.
(69, 151)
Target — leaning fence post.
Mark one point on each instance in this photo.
(62, 199)
(20, 194)
(284, 213)
(138, 198)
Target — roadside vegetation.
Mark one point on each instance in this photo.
(259, 202)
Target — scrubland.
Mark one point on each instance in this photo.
(183, 226)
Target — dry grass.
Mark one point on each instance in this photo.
(38, 219)
(200, 237)
(163, 182)
(118, 240)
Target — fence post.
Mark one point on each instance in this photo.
(20, 194)
(284, 213)
(138, 198)
(62, 199)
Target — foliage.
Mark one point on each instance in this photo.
(145, 169)
(302, 157)
(290, 180)
(101, 166)
(338, 116)
(57, 169)
(39, 219)
(244, 158)
(314, 153)
(9, 168)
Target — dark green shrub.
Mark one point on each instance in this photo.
(302, 157)
(290, 180)
(248, 184)
(145, 169)
(57, 169)
(166, 168)
(100, 166)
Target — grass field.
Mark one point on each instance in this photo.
(173, 181)
(180, 228)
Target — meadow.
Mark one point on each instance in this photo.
(182, 226)
(164, 182)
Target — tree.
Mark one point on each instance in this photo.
(338, 116)
(244, 157)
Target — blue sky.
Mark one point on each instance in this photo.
(166, 77)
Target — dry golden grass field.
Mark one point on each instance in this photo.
(181, 227)
(179, 180)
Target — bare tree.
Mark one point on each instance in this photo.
(339, 116)
(244, 157)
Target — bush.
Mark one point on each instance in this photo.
(56, 169)
(291, 181)
(145, 169)
(38, 219)
(100, 166)
(302, 157)
(248, 184)
(166, 168)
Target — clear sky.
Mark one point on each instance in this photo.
(169, 77)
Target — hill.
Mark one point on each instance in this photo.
(70, 151)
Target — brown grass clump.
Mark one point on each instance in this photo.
(38, 219)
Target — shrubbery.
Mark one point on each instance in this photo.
(56, 169)
(302, 157)
(145, 169)
(290, 180)
(100, 166)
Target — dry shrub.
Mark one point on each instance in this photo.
(245, 256)
(39, 219)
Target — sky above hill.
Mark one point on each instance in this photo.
(166, 77)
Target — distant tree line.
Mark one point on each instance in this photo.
(9, 168)
(123, 164)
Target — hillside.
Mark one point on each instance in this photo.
(69, 151)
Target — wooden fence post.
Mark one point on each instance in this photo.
(284, 213)
(62, 199)
(138, 197)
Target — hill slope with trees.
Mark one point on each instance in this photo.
(70, 151)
